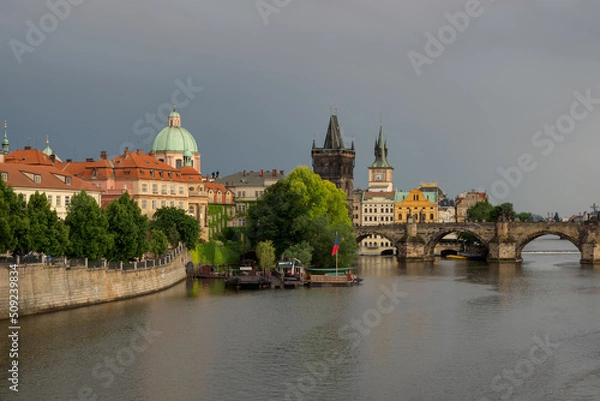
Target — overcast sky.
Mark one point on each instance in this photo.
(268, 81)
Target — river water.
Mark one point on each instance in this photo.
(448, 330)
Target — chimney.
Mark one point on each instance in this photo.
(53, 158)
(89, 159)
(260, 173)
(69, 160)
(274, 172)
(281, 172)
(244, 173)
(126, 150)
(103, 155)
(139, 152)
(27, 147)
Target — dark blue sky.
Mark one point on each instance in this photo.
(472, 112)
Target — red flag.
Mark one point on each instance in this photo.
(335, 246)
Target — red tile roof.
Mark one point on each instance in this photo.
(24, 176)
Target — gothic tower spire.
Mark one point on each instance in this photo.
(5, 147)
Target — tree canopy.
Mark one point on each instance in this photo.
(13, 219)
(88, 228)
(177, 226)
(128, 227)
(483, 211)
(303, 208)
(46, 232)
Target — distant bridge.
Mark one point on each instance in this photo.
(504, 240)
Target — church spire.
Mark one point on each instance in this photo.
(381, 150)
(5, 147)
(333, 139)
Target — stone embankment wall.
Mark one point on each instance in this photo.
(46, 289)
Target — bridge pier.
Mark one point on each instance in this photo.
(503, 251)
(590, 253)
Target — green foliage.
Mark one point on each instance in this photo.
(13, 218)
(177, 226)
(302, 251)
(128, 226)
(265, 252)
(215, 253)
(88, 228)
(556, 217)
(481, 211)
(303, 207)
(524, 216)
(46, 232)
(503, 212)
(158, 242)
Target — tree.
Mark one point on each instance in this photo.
(128, 227)
(158, 242)
(481, 211)
(265, 252)
(88, 228)
(556, 218)
(13, 218)
(524, 216)
(302, 207)
(302, 251)
(177, 226)
(503, 212)
(46, 232)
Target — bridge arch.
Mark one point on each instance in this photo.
(374, 234)
(530, 237)
(434, 239)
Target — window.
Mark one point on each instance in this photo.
(191, 210)
(172, 204)
(144, 187)
(256, 194)
(178, 163)
(416, 197)
(67, 200)
(181, 205)
(431, 216)
(154, 189)
(38, 178)
(154, 204)
(243, 194)
(399, 217)
(181, 190)
(144, 203)
(4, 177)
(68, 180)
(163, 203)
(172, 190)
(58, 200)
(50, 200)
(163, 189)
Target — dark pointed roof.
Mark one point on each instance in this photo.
(381, 151)
(333, 140)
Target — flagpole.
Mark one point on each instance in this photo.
(336, 257)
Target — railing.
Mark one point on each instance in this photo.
(60, 262)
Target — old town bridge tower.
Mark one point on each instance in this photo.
(334, 162)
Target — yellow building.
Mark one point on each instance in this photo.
(417, 206)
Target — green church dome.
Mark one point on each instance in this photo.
(174, 138)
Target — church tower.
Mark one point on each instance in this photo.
(381, 174)
(5, 147)
(334, 162)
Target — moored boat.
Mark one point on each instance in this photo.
(291, 272)
(328, 277)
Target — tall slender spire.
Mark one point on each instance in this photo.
(333, 139)
(5, 147)
(381, 150)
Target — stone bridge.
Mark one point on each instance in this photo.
(504, 240)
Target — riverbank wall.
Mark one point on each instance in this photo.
(45, 288)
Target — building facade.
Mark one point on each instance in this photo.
(465, 200)
(416, 206)
(248, 187)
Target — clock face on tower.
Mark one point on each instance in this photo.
(378, 177)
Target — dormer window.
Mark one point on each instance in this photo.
(94, 173)
(37, 179)
(4, 177)
(68, 180)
